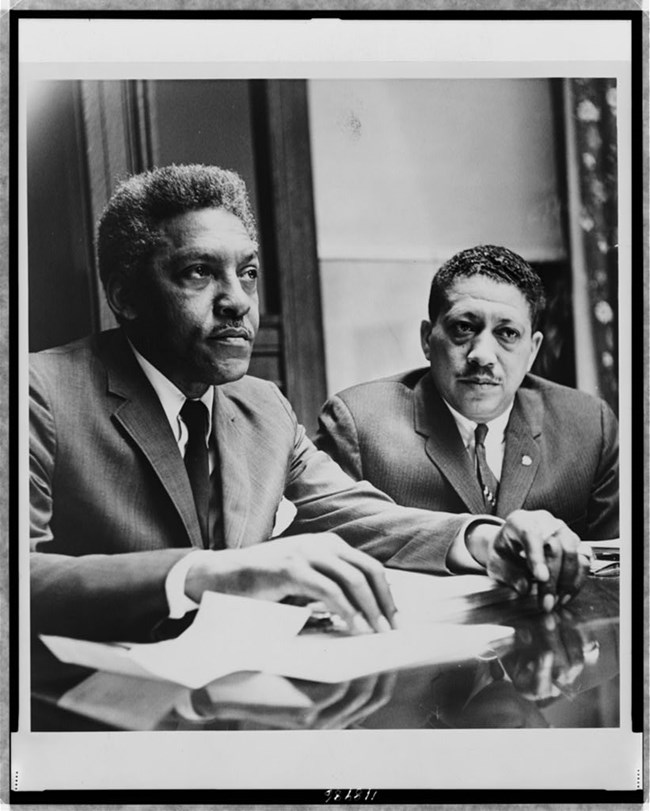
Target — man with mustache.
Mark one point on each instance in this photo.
(475, 432)
(158, 468)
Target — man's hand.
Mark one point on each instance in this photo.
(532, 546)
(319, 567)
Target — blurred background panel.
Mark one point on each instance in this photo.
(361, 190)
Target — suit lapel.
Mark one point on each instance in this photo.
(522, 453)
(444, 446)
(142, 417)
(235, 484)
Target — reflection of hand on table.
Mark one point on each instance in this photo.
(340, 706)
(319, 705)
(548, 656)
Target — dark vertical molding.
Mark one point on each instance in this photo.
(290, 176)
(118, 121)
(88, 225)
(139, 119)
(558, 91)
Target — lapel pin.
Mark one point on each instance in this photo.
(526, 460)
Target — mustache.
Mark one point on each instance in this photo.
(235, 328)
(476, 376)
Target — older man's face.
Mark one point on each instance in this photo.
(481, 346)
(197, 311)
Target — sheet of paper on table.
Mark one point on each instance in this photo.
(232, 634)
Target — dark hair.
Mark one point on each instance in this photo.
(495, 263)
(128, 230)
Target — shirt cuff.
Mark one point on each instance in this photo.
(178, 602)
(459, 558)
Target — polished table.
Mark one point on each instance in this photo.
(558, 670)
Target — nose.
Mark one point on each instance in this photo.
(483, 350)
(230, 300)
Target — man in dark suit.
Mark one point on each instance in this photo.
(158, 470)
(475, 431)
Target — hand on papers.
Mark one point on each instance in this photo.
(320, 567)
(532, 546)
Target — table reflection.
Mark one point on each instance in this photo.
(557, 670)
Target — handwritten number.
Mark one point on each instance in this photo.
(350, 795)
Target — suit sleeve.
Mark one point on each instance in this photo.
(603, 511)
(328, 500)
(338, 436)
(117, 596)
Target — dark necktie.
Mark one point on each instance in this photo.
(486, 479)
(195, 417)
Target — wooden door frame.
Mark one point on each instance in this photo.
(288, 229)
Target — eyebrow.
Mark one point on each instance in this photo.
(206, 254)
(473, 316)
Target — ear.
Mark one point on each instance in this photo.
(425, 334)
(119, 298)
(536, 339)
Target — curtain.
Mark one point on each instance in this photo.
(592, 185)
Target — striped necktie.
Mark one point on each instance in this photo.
(486, 479)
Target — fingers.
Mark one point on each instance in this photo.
(312, 583)
(359, 585)
(527, 531)
(357, 589)
(375, 575)
(512, 572)
(547, 591)
(319, 567)
(550, 551)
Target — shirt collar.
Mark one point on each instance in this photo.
(171, 397)
(466, 428)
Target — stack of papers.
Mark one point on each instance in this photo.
(425, 598)
(234, 634)
(606, 556)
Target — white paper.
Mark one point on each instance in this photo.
(425, 598)
(225, 637)
(228, 635)
(331, 658)
(110, 657)
(232, 634)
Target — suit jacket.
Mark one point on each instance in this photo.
(111, 504)
(561, 450)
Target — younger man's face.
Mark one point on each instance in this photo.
(481, 346)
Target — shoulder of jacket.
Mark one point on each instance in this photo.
(403, 380)
(558, 394)
(69, 359)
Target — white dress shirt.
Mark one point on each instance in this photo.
(495, 440)
(494, 451)
(172, 400)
